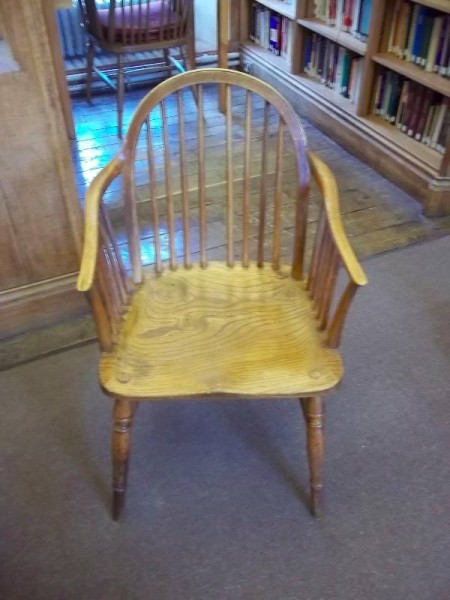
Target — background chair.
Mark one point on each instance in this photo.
(258, 320)
(137, 26)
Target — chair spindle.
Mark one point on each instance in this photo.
(168, 182)
(229, 176)
(201, 175)
(329, 286)
(263, 186)
(247, 182)
(315, 253)
(184, 182)
(113, 251)
(153, 198)
(278, 192)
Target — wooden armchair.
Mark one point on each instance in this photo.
(137, 26)
(252, 325)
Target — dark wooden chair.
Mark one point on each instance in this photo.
(261, 323)
(137, 26)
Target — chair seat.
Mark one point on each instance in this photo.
(147, 19)
(219, 331)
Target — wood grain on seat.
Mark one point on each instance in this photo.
(244, 331)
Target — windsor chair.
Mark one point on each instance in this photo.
(137, 26)
(262, 322)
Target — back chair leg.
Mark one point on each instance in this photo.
(314, 417)
(189, 63)
(89, 68)
(124, 411)
(167, 60)
(190, 54)
(120, 95)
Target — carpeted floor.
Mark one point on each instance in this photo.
(216, 496)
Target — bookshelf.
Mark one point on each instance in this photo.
(358, 56)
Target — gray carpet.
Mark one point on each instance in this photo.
(216, 505)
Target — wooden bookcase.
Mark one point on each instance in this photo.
(419, 169)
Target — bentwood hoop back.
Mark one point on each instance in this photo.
(178, 319)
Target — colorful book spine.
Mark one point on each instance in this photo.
(364, 18)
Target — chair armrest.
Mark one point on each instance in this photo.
(331, 248)
(328, 186)
(91, 227)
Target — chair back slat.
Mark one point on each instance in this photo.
(322, 281)
(247, 181)
(162, 21)
(168, 187)
(263, 186)
(276, 239)
(131, 218)
(153, 197)
(217, 183)
(117, 266)
(229, 176)
(201, 175)
(184, 182)
(147, 29)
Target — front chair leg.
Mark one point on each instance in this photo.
(123, 418)
(314, 417)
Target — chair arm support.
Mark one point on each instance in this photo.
(91, 228)
(328, 186)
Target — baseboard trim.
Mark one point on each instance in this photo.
(40, 304)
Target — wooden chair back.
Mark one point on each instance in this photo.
(137, 22)
(215, 180)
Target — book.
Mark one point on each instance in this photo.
(425, 39)
(443, 109)
(404, 19)
(402, 104)
(443, 138)
(408, 52)
(436, 38)
(364, 18)
(418, 34)
(275, 33)
(424, 112)
(333, 65)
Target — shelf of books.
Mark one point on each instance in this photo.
(270, 26)
(335, 34)
(375, 74)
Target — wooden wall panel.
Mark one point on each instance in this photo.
(38, 192)
(40, 217)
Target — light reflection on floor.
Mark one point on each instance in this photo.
(95, 146)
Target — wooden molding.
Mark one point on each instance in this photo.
(39, 305)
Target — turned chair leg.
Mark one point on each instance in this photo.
(89, 69)
(124, 411)
(314, 416)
